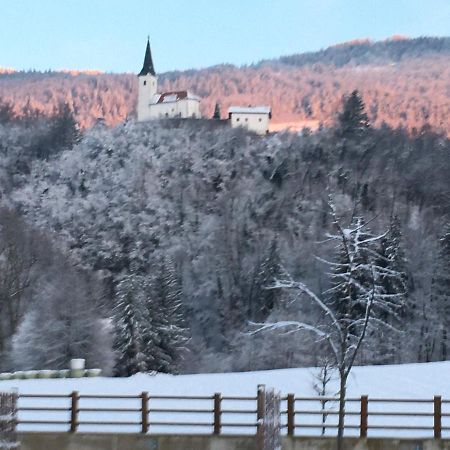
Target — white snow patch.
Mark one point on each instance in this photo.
(408, 381)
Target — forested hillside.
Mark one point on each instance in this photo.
(404, 83)
(152, 246)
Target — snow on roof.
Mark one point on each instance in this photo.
(175, 96)
(249, 110)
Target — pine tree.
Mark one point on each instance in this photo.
(392, 257)
(263, 299)
(162, 334)
(353, 120)
(165, 313)
(7, 113)
(64, 131)
(391, 260)
(148, 327)
(440, 291)
(128, 341)
(217, 112)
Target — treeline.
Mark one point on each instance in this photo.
(403, 83)
(362, 52)
(151, 246)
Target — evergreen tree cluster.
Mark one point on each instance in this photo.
(150, 330)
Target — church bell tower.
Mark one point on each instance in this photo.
(147, 86)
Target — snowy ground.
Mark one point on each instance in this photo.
(418, 381)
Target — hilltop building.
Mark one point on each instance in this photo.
(255, 118)
(154, 105)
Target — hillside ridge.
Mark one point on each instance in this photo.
(403, 83)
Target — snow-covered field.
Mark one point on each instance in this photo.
(409, 381)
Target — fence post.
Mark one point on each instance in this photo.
(291, 414)
(217, 413)
(260, 413)
(364, 416)
(437, 416)
(144, 412)
(74, 411)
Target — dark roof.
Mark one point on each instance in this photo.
(175, 96)
(172, 96)
(147, 68)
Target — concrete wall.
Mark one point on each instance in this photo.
(93, 441)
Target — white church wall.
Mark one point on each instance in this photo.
(146, 92)
(184, 108)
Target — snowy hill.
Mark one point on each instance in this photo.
(412, 381)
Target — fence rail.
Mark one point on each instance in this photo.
(219, 414)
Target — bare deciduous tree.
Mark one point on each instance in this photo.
(355, 301)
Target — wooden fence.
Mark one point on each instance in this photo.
(299, 415)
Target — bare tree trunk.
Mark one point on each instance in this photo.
(342, 394)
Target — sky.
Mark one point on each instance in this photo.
(110, 35)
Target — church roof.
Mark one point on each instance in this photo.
(147, 68)
(175, 96)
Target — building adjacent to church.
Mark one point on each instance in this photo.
(155, 105)
(254, 118)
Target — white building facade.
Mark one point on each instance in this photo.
(254, 119)
(154, 105)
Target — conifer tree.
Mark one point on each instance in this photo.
(128, 342)
(353, 120)
(165, 315)
(269, 270)
(65, 131)
(217, 113)
(441, 290)
(392, 259)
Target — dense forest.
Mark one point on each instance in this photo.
(404, 83)
(153, 246)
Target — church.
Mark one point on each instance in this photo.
(159, 105)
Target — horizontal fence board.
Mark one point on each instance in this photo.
(182, 424)
(106, 410)
(93, 422)
(185, 411)
(109, 396)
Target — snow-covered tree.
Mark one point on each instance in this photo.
(150, 326)
(440, 292)
(392, 257)
(128, 314)
(355, 301)
(65, 322)
(263, 300)
(322, 377)
(166, 333)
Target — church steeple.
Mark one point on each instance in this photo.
(147, 68)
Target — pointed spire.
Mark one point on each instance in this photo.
(147, 68)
